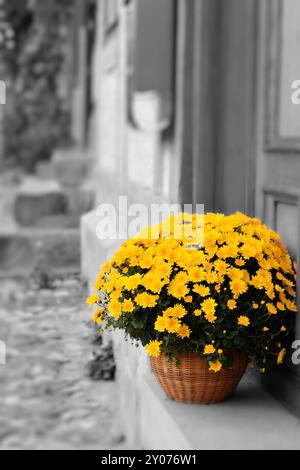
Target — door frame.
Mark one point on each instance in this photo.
(198, 88)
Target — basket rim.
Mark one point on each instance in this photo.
(232, 352)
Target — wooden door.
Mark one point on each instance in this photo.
(217, 132)
(278, 151)
(234, 127)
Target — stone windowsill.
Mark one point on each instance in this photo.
(249, 419)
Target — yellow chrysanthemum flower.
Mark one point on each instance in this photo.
(270, 293)
(209, 349)
(218, 288)
(178, 290)
(280, 306)
(239, 262)
(248, 251)
(163, 269)
(231, 304)
(210, 317)
(243, 320)
(178, 311)
(235, 273)
(172, 324)
(203, 291)
(98, 315)
(146, 260)
(212, 277)
(115, 308)
(238, 287)
(183, 331)
(227, 251)
(287, 282)
(146, 300)
(291, 306)
(160, 324)
(198, 312)
(221, 267)
(99, 282)
(132, 282)
(209, 305)
(215, 366)
(127, 306)
(196, 274)
(181, 278)
(92, 299)
(152, 283)
(291, 291)
(154, 348)
(271, 308)
(281, 356)
(207, 266)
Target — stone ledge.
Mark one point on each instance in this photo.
(250, 419)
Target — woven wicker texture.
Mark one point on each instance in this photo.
(192, 382)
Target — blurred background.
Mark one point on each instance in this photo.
(176, 101)
(187, 101)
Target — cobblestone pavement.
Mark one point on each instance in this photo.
(47, 399)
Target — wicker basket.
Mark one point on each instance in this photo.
(192, 382)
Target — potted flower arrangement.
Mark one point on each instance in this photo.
(201, 310)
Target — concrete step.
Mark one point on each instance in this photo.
(37, 199)
(24, 250)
